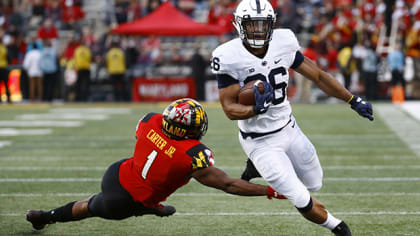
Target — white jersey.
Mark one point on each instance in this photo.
(233, 59)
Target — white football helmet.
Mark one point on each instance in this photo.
(254, 21)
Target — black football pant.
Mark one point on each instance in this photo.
(114, 202)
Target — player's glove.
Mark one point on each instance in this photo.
(363, 108)
(263, 101)
(271, 193)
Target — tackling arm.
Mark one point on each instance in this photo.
(216, 178)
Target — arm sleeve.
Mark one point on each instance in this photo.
(298, 60)
(224, 80)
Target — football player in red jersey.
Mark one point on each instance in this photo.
(167, 155)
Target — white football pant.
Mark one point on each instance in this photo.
(287, 161)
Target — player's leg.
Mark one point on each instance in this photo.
(306, 163)
(277, 170)
(304, 158)
(115, 203)
(275, 167)
(72, 211)
(112, 203)
(250, 172)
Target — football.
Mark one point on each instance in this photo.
(246, 94)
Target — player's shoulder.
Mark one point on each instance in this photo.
(285, 38)
(228, 58)
(228, 48)
(201, 155)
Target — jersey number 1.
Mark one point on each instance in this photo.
(150, 158)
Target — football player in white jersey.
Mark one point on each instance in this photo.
(269, 134)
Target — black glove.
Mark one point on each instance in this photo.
(263, 101)
(363, 108)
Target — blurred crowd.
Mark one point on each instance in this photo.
(342, 36)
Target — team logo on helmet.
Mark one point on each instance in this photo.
(184, 119)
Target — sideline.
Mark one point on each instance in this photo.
(402, 120)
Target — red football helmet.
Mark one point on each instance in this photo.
(184, 119)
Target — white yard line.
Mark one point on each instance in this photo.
(62, 116)
(40, 123)
(20, 132)
(344, 179)
(191, 194)
(5, 143)
(407, 128)
(92, 110)
(101, 168)
(354, 213)
(413, 108)
(43, 180)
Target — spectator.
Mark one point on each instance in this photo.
(221, 14)
(134, 11)
(13, 52)
(115, 61)
(4, 71)
(396, 64)
(16, 20)
(120, 12)
(175, 55)
(82, 60)
(287, 15)
(47, 31)
(346, 65)
(72, 14)
(152, 5)
(31, 65)
(54, 12)
(49, 68)
(370, 70)
(87, 36)
(199, 66)
(304, 85)
(72, 44)
(38, 12)
(412, 42)
(187, 7)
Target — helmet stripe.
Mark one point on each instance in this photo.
(258, 7)
(198, 115)
(191, 103)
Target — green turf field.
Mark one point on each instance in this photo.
(371, 177)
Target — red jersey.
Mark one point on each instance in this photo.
(160, 165)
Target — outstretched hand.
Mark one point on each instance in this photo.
(362, 107)
(263, 101)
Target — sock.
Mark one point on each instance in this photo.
(331, 222)
(63, 213)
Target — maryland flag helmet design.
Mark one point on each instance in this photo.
(184, 119)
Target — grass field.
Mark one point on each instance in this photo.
(371, 177)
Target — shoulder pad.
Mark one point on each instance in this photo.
(286, 38)
(145, 119)
(201, 156)
(226, 58)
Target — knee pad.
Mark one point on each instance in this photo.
(300, 199)
(307, 208)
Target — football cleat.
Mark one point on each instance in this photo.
(342, 229)
(250, 172)
(159, 210)
(38, 218)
